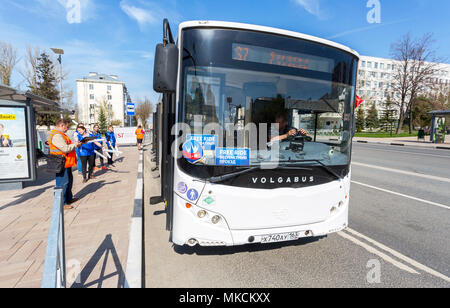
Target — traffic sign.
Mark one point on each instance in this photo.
(131, 109)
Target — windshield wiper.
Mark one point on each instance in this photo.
(327, 168)
(221, 178)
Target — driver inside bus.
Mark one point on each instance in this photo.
(284, 130)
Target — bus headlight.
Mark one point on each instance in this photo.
(201, 214)
(215, 220)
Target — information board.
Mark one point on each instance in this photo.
(15, 161)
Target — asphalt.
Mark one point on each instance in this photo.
(401, 227)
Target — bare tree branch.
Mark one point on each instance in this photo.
(8, 60)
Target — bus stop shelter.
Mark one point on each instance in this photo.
(438, 125)
(18, 135)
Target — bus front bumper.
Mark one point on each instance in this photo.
(193, 228)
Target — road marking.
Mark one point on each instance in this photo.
(400, 256)
(134, 263)
(415, 153)
(402, 195)
(378, 253)
(431, 177)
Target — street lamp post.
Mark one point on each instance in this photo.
(60, 52)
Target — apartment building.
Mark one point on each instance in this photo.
(376, 80)
(95, 90)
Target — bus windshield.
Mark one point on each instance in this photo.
(255, 92)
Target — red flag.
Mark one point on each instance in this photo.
(359, 101)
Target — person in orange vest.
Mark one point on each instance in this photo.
(60, 144)
(140, 136)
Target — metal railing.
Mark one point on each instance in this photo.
(55, 260)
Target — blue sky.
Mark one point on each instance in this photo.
(119, 36)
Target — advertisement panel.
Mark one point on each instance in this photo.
(14, 143)
(125, 135)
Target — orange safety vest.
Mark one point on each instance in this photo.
(139, 134)
(71, 158)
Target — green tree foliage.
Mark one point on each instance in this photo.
(102, 122)
(372, 121)
(388, 115)
(46, 83)
(45, 86)
(360, 120)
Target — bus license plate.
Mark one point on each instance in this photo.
(274, 238)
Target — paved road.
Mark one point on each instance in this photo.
(399, 219)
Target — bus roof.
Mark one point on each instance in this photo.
(242, 26)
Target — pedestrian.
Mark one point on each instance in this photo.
(60, 144)
(111, 143)
(97, 148)
(86, 154)
(139, 136)
(75, 138)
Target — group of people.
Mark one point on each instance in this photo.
(87, 153)
(79, 152)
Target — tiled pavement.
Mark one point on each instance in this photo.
(97, 229)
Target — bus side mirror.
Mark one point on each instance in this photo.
(166, 68)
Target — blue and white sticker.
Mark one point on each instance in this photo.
(208, 142)
(232, 157)
(192, 151)
(182, 187)
(192, 194)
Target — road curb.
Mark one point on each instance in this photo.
(134, 269)
(402, 145)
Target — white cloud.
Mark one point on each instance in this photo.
(311, 6)
(142, 16)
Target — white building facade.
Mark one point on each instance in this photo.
(376, 80)
(94, 90)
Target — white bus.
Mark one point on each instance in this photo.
(270, 115)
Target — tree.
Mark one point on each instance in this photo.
(360, 120)
(372, 120)
(105, 106)
(8, 60)
(31, 64)
(415, 65)
(143, 111)
(102, 123)
(388, 115)
(46, 85)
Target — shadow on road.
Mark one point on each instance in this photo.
(106, 248)
(219, 251)
(92, 188)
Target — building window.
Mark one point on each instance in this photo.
(109, 97)
(91, 97)
(109, 88)
(91, 86)
(363, 64)
(388, 66)
(369, 64)
(376, 64)
(382, 66)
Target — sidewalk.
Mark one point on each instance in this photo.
(406, 141)
(97, 229)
